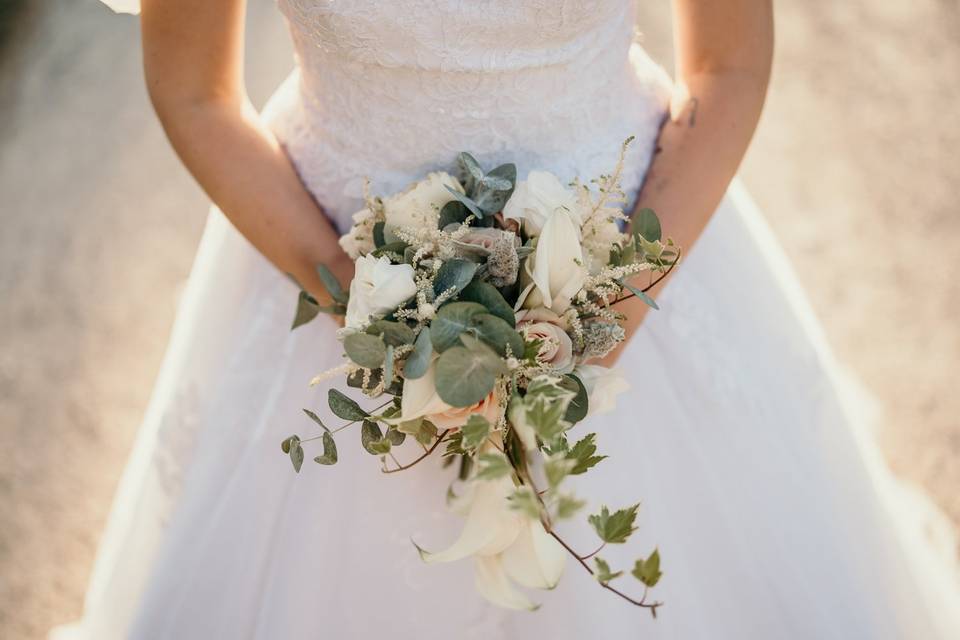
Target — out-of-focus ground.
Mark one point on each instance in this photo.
(856, 164)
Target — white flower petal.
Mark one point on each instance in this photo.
(558, 267)
(603, 385)
(535, 559)
(493, 584)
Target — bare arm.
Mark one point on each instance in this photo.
(193, 59)
(724, 52)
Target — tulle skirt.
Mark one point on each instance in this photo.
(773, 512)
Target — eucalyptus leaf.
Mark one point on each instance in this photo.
(496, 332)
(640, 294)
(453, 319)
(316, 418)
(418, 362)
(344, 407)
(470, 172)
(454, 212)
(493, 191)
(366, 350)
(454, 274)
(579, 407)
(647, 224)
(329, 455)
(388, 364)
(463, 377)
(392, 333)
(331, 284)
(486, 294)
(395, 246)
(296, 455)
(289, 442)
(307, 309)
(466, 201)
(378, 239)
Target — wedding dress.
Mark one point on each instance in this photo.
(772, 512)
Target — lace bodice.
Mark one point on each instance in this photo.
(390, 90)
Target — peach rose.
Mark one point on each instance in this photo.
(556, 347)
(420, 400)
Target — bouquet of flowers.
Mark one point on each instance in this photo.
(476, 305)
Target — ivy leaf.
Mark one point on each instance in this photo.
(640, 294)
(648, 571)
(418, 362)
(475, 431)
(427, 434)
(296, 454)
(329, 451)
(366, 350)
(568, 506)
(647, 225)
(331, 284)
(604, 575)
(582, 454)
(614, 528)
(524, 501)
(344, 407)
(556, 469)
(369, 433)
(491, 466)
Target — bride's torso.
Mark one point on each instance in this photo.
(391, 90)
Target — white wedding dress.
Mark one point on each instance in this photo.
(773, 514)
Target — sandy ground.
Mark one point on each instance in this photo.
(856, 165)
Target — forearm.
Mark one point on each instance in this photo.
(244, 170)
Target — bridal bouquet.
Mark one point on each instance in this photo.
(475, 308)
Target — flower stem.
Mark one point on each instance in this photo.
(426, 453)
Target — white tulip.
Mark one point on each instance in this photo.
(378, 287)
(420, 204)
(603, 385)
(556, 268)
(535, 199)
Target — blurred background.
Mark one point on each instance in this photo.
(856, 165)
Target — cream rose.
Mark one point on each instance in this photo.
(420, 400)
(603, 385)
(420, 204)
(555, 272)
(536, 199)
(378, 288)
(556, 347)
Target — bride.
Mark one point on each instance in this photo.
(772, 515)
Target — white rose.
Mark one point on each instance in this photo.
(359, 240)
(603, 385)
(535, 199)
(556, 347)
(378, 287)
(420, 204)
(599, 238)
(555, 271)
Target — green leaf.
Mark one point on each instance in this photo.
(640, 294)
(307, 309)
(289, 442)
(646, 223)
(496, 332)
(369, 433)
(329, 451)
(296, 454)
(568, 506)
(395, 436)
(578, 408)
(486, 294)
(615, 527)
(582, 454)
(344, 407)
(493, 191)
(388, 364)
(316, 418)
(453, 319)
(454, 212)
(394, 334)
(463, 377)
(556, 469)
(378, 239)
(604, 575)
(427, 433)
(365, 350)
(397, 246)
(454, 274)
(418, 362)
(648, 571)
(470, 172)
(475, 431)
(467, 201)
(331, 284)
(381, 446)
(524, 501)
(546, 404)
(491, 466)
